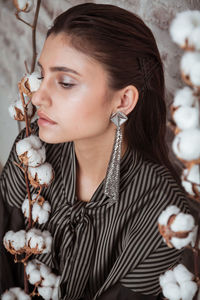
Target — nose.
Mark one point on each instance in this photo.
(41, 97)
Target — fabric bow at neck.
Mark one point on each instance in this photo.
(74, 235)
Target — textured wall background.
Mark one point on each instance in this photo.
(15, 41)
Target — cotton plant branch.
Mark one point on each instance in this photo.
(38, 174)
(178, 229)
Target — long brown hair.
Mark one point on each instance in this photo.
(126, 47)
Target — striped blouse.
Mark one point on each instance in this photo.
(101, 246)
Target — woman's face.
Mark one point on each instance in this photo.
(73, 94)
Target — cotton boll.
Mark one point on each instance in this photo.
(55, 294)
(179, 243)
(46, 206)
(188, 290)
(167, 277)
(57, 281)
(195, 74)
(45, 292)
(19, 293)
(8, 296)
(186, 117)
(172, 291)
(34, 276)
(193, 174)
(164, 216)
(185, 97)
(23, 5)
(30, 267)
(16, 110)
(44, 174)
(36, 211)
(188, 61)
(181, 28)
(181, 274)
(186, 144)
(25, 208)
(37, 241)
(188, 187)
(48, 241)
(193, 178)
(49, 280)
(44, 270)
(34, 82)
(183, 222)
(30, 151)
(194, 39)
(43, 216)
(18, 239)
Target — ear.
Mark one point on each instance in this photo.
(127, 99)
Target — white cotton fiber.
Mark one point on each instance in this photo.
(44, 270)
(193, 176)
(57, 281)
(186, 117)
(25, 207)
(44, 173)
(194, 39)
(49, 280)
(30, 267)
(188, 60)
(8, 296)
(34, 276)
(45, 292)
(167, 277)
(183, 222)
(33, 81)
(17, 239)
(185, 97)
(55, 293)
(186, 144)
(181, 273)
(36, 153)
(195, 74)
(179, 243)
(18, 104)
(48, 241)
(185, 26)
(15, 293)
(164, 216)
(188, 290)
(172, 291)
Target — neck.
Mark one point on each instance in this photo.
(94, 155)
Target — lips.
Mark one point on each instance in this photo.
(45, 117)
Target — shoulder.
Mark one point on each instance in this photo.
(157, 187)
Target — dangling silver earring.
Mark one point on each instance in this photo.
(112, 179)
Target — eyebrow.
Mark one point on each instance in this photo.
(60, 68)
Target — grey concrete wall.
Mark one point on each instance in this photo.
(15, 41)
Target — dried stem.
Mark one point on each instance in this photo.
(28, 127)
(34, 35)
(19, 18)
(19, 166)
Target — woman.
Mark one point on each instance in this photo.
(102, 117)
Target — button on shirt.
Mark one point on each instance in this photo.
(101, 245)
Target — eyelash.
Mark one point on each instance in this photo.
(64, 85)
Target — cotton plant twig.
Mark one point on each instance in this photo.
(34, 35)
(28, 128)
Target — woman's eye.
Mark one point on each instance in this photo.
(66, 85)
